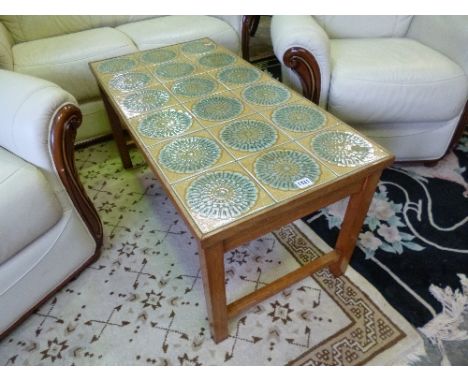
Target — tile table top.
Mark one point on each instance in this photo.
(226, 140)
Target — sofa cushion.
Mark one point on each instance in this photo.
(28, 206)
(154, 33)
(64, 59)
(33, 27)
(393, 80)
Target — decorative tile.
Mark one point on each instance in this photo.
(116, 65)
(198, 46)
(218, 197)
(217, 60)
(221, 195)
(238, 75)
(189, 154)
(174, 70)
(218, 108)
(167, 123)
(282, 168)
(266, 83)
(158, 56)
(287, 170)
(266, 94)
(247, 135)
(144, 101)
(300, 117)
(180, 158)
(195, 86)
(130, 81)
(342, 149)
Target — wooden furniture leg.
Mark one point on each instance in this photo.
(212, 267)
(353, 220)
(117, 132)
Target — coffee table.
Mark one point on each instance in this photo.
(239, 154)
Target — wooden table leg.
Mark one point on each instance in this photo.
(117, 132)
(212, 267)
(353, 220)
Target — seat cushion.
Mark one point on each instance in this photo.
(393, 80)
(154, 33)
(28, 206)
(64, 59)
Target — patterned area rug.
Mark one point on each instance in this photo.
(414, 249)
(142, 302)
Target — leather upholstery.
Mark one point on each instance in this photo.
(47, 238)
(388, 80)
(64, 59)
(28, 205)
(364, 26)
(155, 33)
(304, 32)
(59, 49)
(31, 27)
(403, 83)
(6, 55)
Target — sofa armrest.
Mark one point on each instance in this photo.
(38, 123)
(446, 34)
(6, 55)
(301, 44)
(235, 21)
(29, 105)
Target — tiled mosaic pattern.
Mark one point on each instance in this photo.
(227, 139)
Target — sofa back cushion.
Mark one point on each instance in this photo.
(364, 26)
(27, 28)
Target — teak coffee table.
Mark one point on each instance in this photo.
(239, 154)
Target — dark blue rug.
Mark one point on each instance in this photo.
(414, 244)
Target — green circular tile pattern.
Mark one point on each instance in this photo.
(194, 87)
(158, 56)
(198, 47)
(216, 60)
(238, 75)
(342, 148)
(266, 94)
(248, 135)
(116, 65)
(145, 100)
(174, 70)
(189, 154)
(166, 123)
(221, 195)
(299, 118)
(130, 81)
(281, 168)
(218, 108)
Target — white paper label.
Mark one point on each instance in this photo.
(303, 183)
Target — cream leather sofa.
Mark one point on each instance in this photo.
(49, 230)
(402, 80)
(59, 48)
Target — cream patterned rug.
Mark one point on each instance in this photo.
(142, 302)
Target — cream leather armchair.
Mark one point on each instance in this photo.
(402, 80)
(49, 230)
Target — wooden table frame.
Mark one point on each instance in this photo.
(359, 185)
